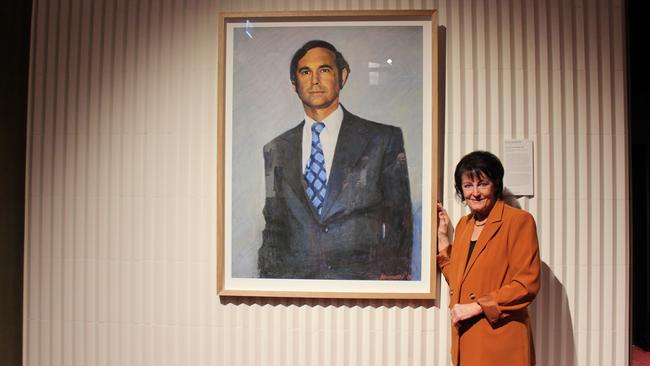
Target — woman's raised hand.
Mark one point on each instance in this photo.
(444, 227)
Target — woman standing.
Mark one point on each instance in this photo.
(492, 269)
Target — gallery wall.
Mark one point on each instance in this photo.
(120, 243)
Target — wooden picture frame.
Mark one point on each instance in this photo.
(393, 80)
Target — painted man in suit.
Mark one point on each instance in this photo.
(338, 201)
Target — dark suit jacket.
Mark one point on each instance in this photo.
(365, 231)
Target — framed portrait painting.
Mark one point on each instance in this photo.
(328, 154)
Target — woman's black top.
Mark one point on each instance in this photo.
(472, 243)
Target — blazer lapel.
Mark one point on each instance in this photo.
(293, 174)
(492, 225)
(351, 143)
(463, 249)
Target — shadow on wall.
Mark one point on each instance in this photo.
(329, 302)
(550, 314)
(552, 322)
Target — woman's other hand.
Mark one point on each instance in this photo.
(460, 312)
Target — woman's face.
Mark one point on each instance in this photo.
(478, 191)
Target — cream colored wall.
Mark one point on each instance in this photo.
(120, 254)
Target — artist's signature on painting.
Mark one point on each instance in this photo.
(396, 277)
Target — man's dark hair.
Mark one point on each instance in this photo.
(477, 164)
(341, 63)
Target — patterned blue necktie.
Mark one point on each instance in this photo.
(315, 172)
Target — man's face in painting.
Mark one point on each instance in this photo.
(317, 79)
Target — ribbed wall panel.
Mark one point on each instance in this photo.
(120, 255)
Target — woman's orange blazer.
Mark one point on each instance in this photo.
(502, 276)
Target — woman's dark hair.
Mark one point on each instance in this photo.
(317, 43)
(477, 164)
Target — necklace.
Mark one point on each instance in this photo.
(476, 223)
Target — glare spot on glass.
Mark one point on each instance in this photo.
(389, 61)
(248, 29)
(374, 78)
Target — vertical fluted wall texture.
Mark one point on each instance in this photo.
(120, 255)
